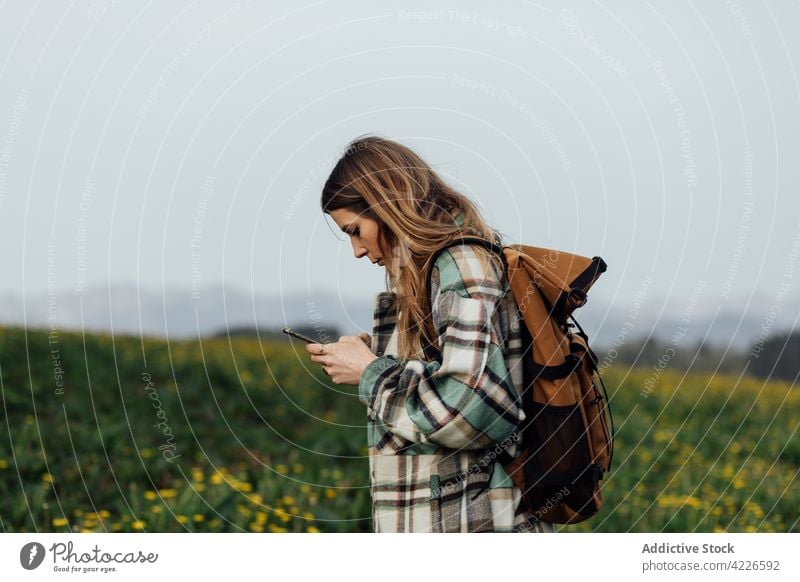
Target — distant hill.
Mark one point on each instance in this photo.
(613, 322)
(174, 313)
(276, 334)
(778, 357)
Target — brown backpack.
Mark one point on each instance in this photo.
(566, 442)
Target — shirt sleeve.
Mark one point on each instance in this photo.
(466, 401)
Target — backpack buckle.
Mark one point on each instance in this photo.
(577, 297)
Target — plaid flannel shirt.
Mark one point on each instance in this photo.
(434, 429)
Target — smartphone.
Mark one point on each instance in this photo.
(300, 336)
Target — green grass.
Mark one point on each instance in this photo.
(263, 442)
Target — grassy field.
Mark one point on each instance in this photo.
(102, 434)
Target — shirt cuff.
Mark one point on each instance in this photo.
(372, 375)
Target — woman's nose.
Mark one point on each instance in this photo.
(359, 250)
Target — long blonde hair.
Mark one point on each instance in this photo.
(415, 209)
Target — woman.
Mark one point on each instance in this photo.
(432, 423)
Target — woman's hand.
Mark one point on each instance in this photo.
(345, 360)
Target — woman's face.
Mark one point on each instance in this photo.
(363, 233)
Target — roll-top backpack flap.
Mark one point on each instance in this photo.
(563, 278)
(550, 359)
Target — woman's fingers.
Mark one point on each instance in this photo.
(320, 353)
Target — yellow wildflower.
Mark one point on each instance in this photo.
(693, 501)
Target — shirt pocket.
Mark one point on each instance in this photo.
(456, 479)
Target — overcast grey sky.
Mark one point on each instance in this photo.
(184, 144)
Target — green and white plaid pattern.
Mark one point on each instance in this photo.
(434, 429)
